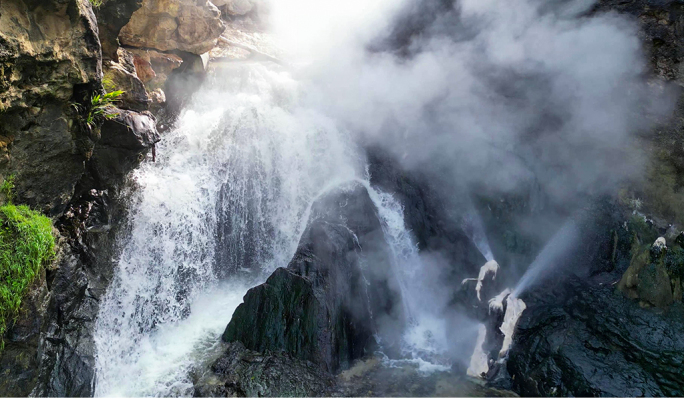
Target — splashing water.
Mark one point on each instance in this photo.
(425, 339)
(559, 244)
(243, 155)
(474, 228)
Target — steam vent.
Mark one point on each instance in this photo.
(360, 198)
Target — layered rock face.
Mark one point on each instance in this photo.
(186, 25)
(335, 294)
(50, 55)
(112, 15)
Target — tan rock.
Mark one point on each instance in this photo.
(50, 53)
(239, 7)
(154, 67)
(187, 25)
(134, 97)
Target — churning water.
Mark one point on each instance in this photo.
(223, 206)
(229, 190)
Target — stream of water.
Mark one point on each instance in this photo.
(244, 162)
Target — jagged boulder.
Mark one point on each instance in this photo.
(126, 138)
(49, 55)
(334, 295)
(187, 25)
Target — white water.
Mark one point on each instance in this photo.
(474, 228)
(552, 252)
(243, 133)
(425, 339)
(479, 363)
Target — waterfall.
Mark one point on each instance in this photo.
(230, 188)
(424, 341)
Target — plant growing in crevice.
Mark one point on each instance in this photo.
(96, 110)
(26, 246)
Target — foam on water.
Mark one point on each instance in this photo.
(242, 155)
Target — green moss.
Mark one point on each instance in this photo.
(26, 246)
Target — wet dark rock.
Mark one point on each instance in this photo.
(435, 222)
(240, 372)
(126, 139)
(19, 362)
(335, 294)
(598, 343)
(580, 336)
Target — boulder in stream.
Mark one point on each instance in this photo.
(337, 292)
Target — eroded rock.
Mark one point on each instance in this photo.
(50, 54)
(165, 25)
(240, 372)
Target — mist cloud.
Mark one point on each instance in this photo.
(493, 91)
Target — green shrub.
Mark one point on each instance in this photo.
(96, 3)
(26, 246)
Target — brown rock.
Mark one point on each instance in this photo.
(186, 25)
(154, 67)
(134, 97)
(50, 54)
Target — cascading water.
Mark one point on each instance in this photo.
(425, 339)
(229, 190)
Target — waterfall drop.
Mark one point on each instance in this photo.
(227, 194)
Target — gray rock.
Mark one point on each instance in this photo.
(320, 308)
(240, 372)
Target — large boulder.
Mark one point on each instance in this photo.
(337, 292)
(49, 55)
(126, 138)
(187, 25)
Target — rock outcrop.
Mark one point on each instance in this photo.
(50, 55)
(187, 25)
(581, 336)
(112, 15)
(590, 341)
(336, 293)
(240, 372)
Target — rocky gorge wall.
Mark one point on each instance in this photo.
(57, 53)
(69, 156)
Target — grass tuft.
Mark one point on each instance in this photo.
(26, 246)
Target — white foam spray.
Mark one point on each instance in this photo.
(242, 143)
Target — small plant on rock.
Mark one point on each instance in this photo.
(97, 109)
